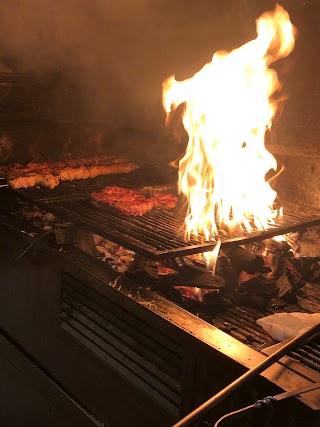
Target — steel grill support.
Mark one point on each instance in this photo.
(158, 234)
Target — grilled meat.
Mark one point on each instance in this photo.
(49, 174)
(125, 201)
(167, 201)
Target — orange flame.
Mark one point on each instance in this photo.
(228, 108)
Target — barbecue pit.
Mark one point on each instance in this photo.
(93, 330)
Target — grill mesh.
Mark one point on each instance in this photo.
(309, 354)
(158, 234)
(240, 323)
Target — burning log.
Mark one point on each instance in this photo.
(261, 275)
(244, 260)
(191, 273)
(225, 271)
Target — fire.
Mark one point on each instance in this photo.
(228, 109)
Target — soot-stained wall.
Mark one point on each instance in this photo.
(112, 57)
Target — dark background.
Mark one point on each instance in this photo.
(106, 61)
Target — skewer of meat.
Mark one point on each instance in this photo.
(49, 174)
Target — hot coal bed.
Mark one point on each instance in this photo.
(115, 313)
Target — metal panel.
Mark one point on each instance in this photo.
(139, 352)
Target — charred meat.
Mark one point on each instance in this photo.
(49, 174)
(125, 201)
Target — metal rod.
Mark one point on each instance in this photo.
(34, 243)
(247, 376)
(296, 392)
(4, 185)
(268, 400)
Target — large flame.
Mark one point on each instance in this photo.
(228, 108)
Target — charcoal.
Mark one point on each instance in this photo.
(225, 302)
(170, 280)
(142, 277)
(172, 294)
(195, 306)
(314, 276)
(295, 279)
(243, 260)
(297, 263)
(309, 305)
(239, 298)
(142, 264)
(273, 245)
(265, 270)
(250, 299)
(290, 297)
(309, 243)
(276, 303)
(211, 298)
(285, 247)
(208, 281)
(83, 239)
(191, 273)
(277, 263)
(204, 281)
(259, 285)
(224, 270)
(186, 265)
(256, 301)
(310, 291)
(284, 285)
(311, 269)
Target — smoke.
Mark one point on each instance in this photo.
(117, 53)
(114, 55)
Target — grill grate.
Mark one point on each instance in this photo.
(309, 354)
(158, 234)
(241, 323)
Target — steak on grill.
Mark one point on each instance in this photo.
(126, 201)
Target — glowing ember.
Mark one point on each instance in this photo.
(228, 108)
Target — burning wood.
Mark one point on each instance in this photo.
(266, 274)
(118, 257)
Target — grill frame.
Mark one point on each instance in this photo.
(158, 234)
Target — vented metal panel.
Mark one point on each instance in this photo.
(309, 354)
(143, 354)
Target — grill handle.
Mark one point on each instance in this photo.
(34, 243)
(194, 416)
